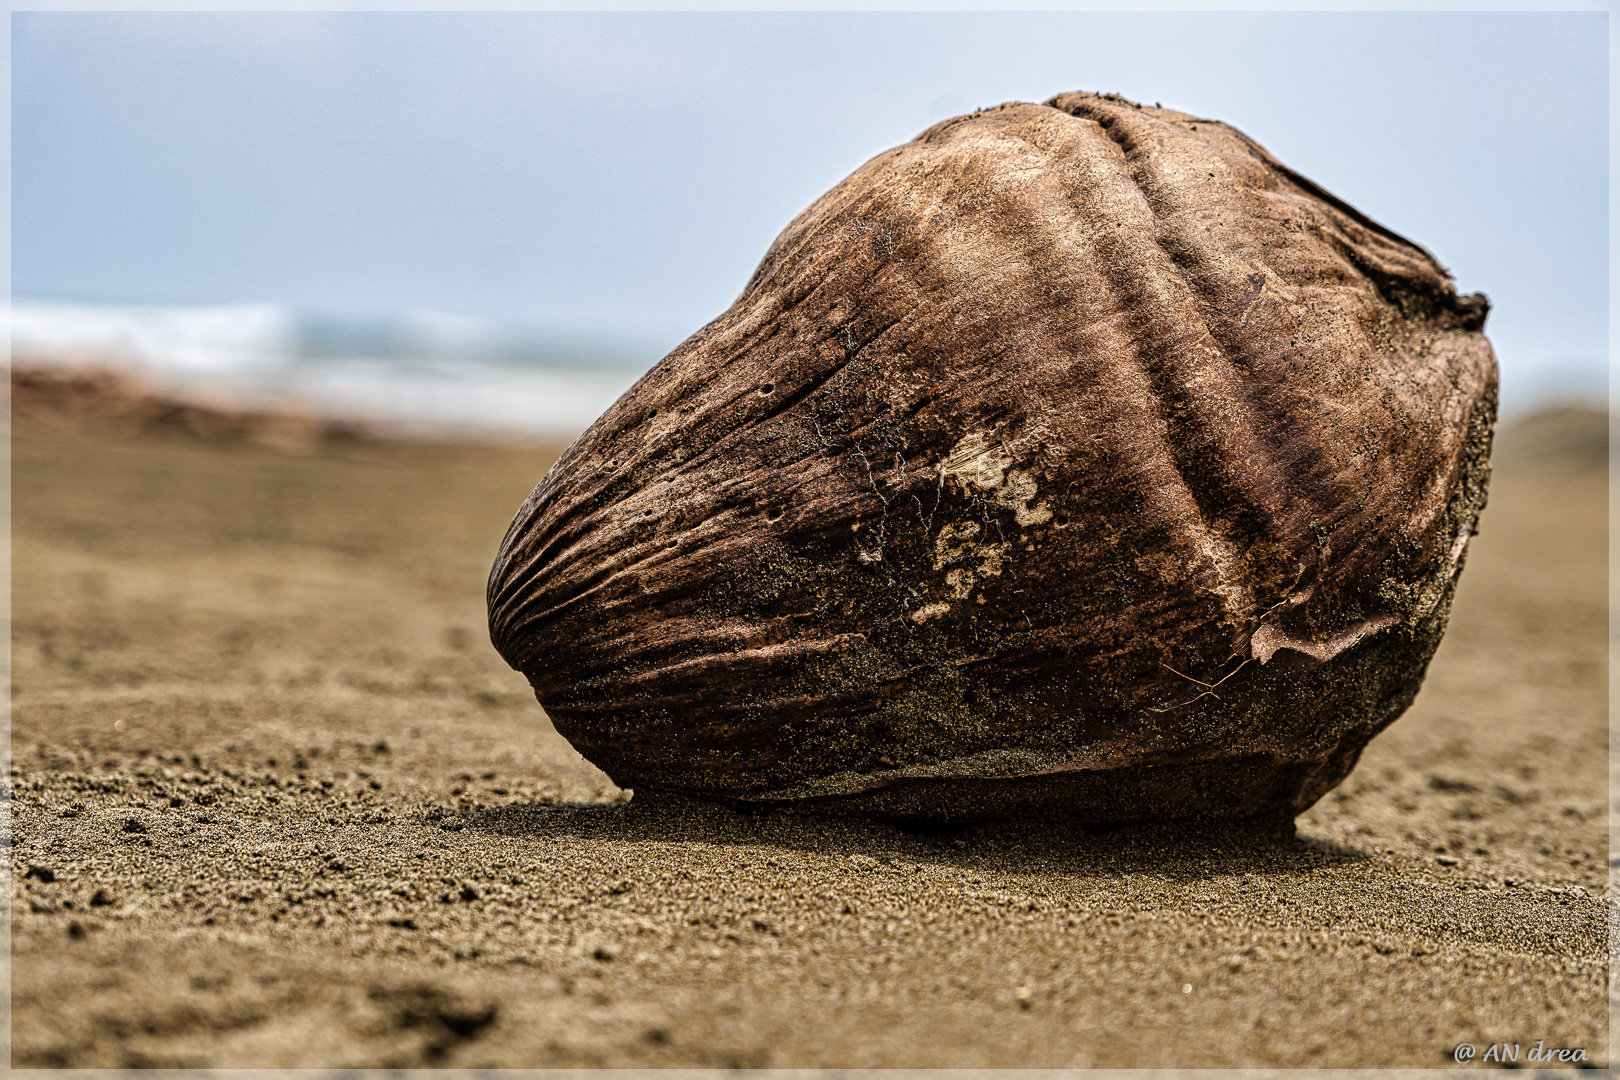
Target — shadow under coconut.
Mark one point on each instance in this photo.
(1176, 850)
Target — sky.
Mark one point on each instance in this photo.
(617, 176)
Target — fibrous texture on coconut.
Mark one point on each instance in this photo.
(1076, 458)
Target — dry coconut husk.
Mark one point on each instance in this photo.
(1077, 457)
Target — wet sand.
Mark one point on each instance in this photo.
(278, 803)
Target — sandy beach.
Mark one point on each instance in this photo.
(276, 802)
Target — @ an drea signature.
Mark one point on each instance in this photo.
(1513, 1052)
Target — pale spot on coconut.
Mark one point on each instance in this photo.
(1460, 545)
(977, 463)
(956, 544)
(1016, 490)
(1226, 564)
(1016, 494)
(990, 556)
(1268, 639)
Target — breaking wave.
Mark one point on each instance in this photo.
(427, 373)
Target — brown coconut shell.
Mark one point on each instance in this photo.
(1076, 457)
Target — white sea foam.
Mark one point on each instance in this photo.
(426, 372)
(183, 340)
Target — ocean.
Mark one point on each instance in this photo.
(424, 373)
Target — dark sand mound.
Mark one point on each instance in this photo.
(110, 403)
(277, 803)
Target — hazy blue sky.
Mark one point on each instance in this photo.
(621, 174)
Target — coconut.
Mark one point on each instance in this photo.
(1076, 458)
